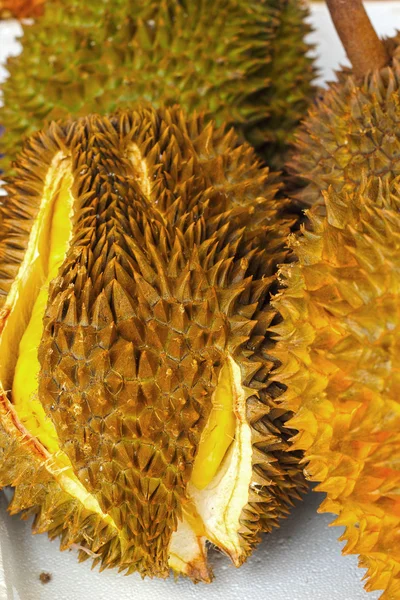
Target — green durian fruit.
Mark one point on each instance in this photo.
(242, 62)
(137, 418)
(339, 339)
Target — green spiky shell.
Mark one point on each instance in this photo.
(155, 291)
(290, 91)
(352, 130)
(241, 62)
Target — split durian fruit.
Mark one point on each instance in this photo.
(21, 9)
(242, 62)
(137, 418)
(339, 339)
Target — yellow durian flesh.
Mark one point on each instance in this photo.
(218, 434)
(58, 203)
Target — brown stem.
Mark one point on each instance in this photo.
(363, 47)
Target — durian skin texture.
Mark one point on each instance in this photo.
(168, 273)
(339, 351)
(242, 62)
(21, 9)
(351, 130)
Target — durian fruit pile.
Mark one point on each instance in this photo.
(243, 62)
(21, 9)
(153, 394)
(339, 339)
(138, 254)
(137, 414)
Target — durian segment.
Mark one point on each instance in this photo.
(46, 249)
(221, 503)
(57, 227)
(175, 240)
(339, 349)
(219, 432)
(257, 76)
(187, 548)
(219, 487)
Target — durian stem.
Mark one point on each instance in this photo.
(363, 47)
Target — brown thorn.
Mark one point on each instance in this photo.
(364, 49)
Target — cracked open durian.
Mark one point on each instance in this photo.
(340, 335)
(137, 418)
(243, 62)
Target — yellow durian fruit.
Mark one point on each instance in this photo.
(339, 338)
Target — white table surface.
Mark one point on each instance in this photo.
(300, 561)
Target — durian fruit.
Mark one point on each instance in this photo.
(137, 416)
(339, 339)
(339, 351)
(242, 62)
(353, 127)
(21, 9)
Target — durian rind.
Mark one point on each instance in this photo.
(290, 91)
(176, 239)
(338, 345)
(30, 470)
(351, 131)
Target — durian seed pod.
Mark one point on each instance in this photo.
(138, 252)
(242, 62)
(340, 331)
(21, 9)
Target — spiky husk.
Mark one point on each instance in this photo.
(339, 349)
(21, 9)
(351, 131)
(162, 282)
(243, 63)
(290, 90)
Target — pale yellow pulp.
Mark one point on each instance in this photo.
(25, 384)
(219, 432)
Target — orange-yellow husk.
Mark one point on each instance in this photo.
(339, 345)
